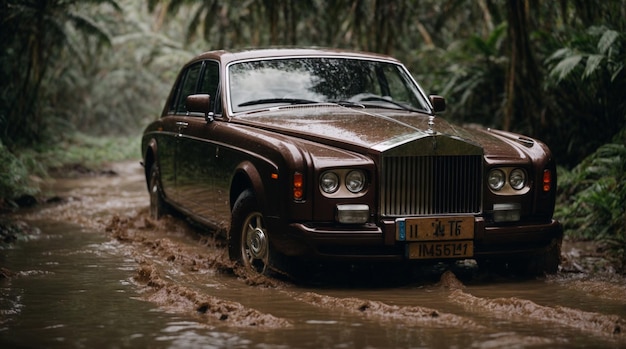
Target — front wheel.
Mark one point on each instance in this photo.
(248, 239)
(545, 262)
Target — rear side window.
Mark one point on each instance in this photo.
(187, 86)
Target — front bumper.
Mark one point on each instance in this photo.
(378, 241)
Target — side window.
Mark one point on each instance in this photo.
(210, 84)
(187, 87)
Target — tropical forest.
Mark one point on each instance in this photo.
(82, 78)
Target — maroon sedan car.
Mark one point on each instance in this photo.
(314, 154)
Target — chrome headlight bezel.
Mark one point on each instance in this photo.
(496, 179)
(329, 182)
(355, 181)
(517, 179)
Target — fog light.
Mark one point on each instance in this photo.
(352, 214)
(506, 212)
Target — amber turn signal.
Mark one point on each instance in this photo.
(298, 184)
(547, 180)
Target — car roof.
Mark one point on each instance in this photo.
(246, 54)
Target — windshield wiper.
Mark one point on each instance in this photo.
(381, 99)
(347, 103)
(277, 100)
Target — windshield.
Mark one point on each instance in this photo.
(346, 81)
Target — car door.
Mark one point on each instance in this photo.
(174, 124)
(173, 121)
(197, 152)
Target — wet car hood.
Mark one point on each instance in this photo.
(377, 129)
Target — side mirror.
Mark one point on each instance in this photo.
(200, 103)
(438, 102)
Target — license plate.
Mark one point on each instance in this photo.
(434, 250)
(443, 228)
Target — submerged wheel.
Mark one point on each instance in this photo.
(546, 262)
(158, 206)
(541, 263)
(248, 239)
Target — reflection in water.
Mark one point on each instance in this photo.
(100, 273)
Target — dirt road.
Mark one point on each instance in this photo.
(175, 268)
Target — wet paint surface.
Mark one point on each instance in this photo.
(96, 271)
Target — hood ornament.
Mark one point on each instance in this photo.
(438, 105)
(431, 123)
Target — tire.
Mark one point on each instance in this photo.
(158, 206)
(542, 263)
(248, 239)
(546, 262)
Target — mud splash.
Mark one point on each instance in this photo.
(604, 287)
(514, 340)
(524, 310)
(207, 309)
(200, 254)
(205, 254)
(379, 311)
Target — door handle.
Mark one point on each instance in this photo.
(181, 125)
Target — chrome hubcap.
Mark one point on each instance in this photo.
(257, 243)
(255, 246)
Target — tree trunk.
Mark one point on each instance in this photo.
(523, 103)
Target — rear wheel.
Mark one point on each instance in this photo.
(158, 206)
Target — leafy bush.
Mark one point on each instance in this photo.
(21, 171)
(592, 200)
(91, 151)
(15, 178)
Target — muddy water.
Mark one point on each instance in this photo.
(96, 271)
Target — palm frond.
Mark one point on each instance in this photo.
(607, 40)
(593, 65)
(566, 66)
(560, 54)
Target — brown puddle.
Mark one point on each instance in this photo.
(191, 295)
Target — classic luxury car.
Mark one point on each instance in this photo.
(321, 155)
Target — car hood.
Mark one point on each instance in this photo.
(385, 131)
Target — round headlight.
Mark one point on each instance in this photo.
(517, 178)
(355, 181)
(329, 182)
(496, 179)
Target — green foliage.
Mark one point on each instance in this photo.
(585, 84)
(475, 75)
(15, 176)
(36, 36)
(91, 151)
(592, 199)
(20, 175)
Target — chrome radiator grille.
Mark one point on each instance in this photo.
(427, 185)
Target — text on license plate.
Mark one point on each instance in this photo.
(452, 249)
(435, 228)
